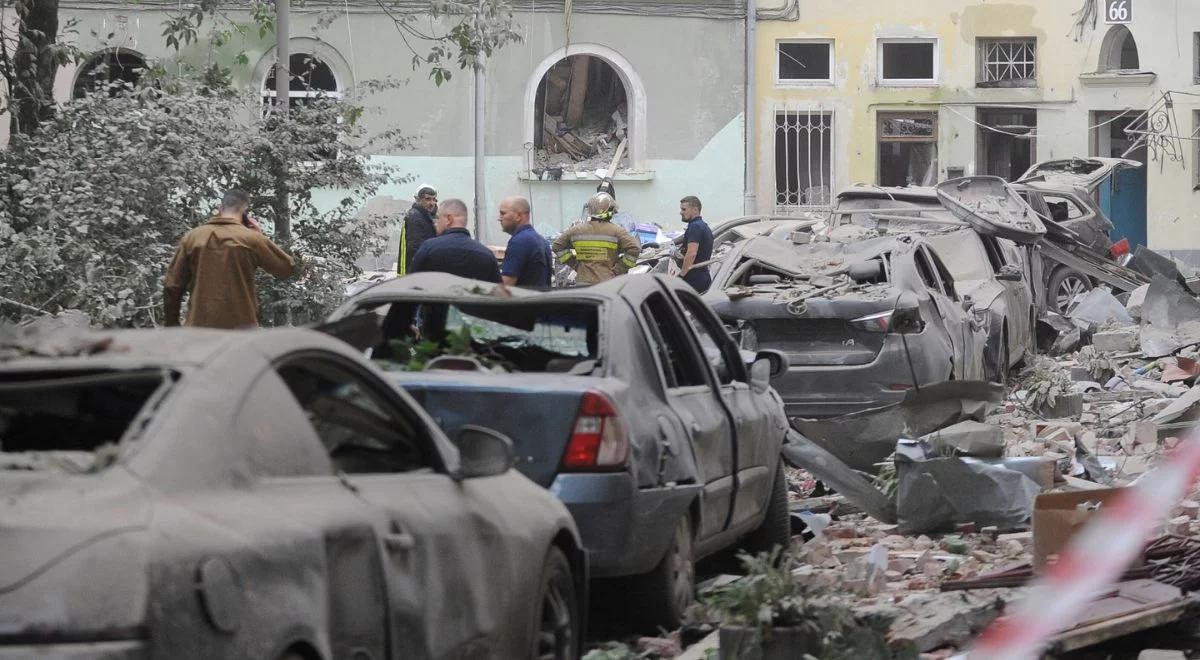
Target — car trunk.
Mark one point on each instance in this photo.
(822, 335)
(537, 411)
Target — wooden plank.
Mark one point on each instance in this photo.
(1103, 631)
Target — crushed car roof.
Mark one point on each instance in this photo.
(440, 286)
(815, 258)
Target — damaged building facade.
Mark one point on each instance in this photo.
(922, 92)
(665, 77)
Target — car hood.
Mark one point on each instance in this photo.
(47, 517)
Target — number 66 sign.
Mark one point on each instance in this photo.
(1118, 11)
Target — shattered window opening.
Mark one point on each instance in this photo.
(113, 70)
(1063, 208)
(678, 370)
(1119, 51)
(907, 61)
(803, 160)
(524, 337)
(804, 61)
(1007, 62)
(581, 116)
(907, 145)
(721, 354)
(964, 256)
(43, 417)
(360, 431)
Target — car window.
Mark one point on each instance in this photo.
(722, 354)
(279, 440)
(963, 254)
(671, 343)
(926, 271)
(1063, 208)
(361, 431)
(943, 275)
(995, 254)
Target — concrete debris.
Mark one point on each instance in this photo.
(1117, 340)
(1168, 304)
(1136, 299)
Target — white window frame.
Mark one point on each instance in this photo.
(982, 45)
(907, 82)
(805, 82)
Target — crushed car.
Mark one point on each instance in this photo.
(626, 399)
(862, 318)
(994, 273)
(192, 493)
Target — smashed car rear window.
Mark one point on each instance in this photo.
(525, 337)
(72, 421)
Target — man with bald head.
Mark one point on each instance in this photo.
(527, 257)
(453, 250)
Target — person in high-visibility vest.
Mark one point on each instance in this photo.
(598, 249)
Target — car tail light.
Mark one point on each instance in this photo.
(598, 440)
(906, 320)
(1119, 248)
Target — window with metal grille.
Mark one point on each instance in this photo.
(803, 159)
(1007, 62)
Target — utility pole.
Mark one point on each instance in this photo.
(283, 85)
(750, 201)
(480, 145)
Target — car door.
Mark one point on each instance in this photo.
(973, 337)
(693, 397)
(755, 435)
(944, 318)
(1018, 296)
(435, 550)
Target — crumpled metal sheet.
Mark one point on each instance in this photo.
(802, 452)
(1168, 304)
(1099, 307)
(863, 439)
(937, 493)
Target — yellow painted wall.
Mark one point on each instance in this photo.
(1163, 31)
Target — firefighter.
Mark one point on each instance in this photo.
(598, 249)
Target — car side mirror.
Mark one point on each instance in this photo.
(767, 366)
(1010, 273)
(483, 452)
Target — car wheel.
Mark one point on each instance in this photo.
(776, 527)
(557, 634)
(1064, 285)
(666, 591)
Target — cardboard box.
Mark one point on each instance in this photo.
(1057, 516)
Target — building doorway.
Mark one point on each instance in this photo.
(1122, 196)
(1007, 142)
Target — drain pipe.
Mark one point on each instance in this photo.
(480, 145)
(750, 201)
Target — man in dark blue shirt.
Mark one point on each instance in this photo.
(527, 257)
(453, 250)
(697, 245)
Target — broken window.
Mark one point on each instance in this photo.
(1111, 137)
(525, 337)
(1063, 208)
(111, 70)
(804, 61)
(907, 145)
(73, 421)
(581, 117)
(803, 159)
(310, 78)
(360, 430)
(907, 61)
(1119, 51)
(1007, 141)
(671, 344)
(1007, 62)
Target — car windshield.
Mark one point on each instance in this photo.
(963, 254)
(525, 337)
(889, 214)
(71, 421)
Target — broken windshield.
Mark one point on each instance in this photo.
(70, 421)
(527, 337)
(963, 254)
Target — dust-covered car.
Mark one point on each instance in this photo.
(999, 276)
(626, 399)
(862, 318)
(265, 494)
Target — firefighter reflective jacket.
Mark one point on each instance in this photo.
(597, 250)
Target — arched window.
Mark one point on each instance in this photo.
(1119, 50)
(110, 70)
(580, 115)
(579, 104)
(310, 78)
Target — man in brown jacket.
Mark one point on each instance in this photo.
(216, 263)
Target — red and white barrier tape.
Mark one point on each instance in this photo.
(1095, 558)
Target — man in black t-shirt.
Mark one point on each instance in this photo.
(697, 245)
